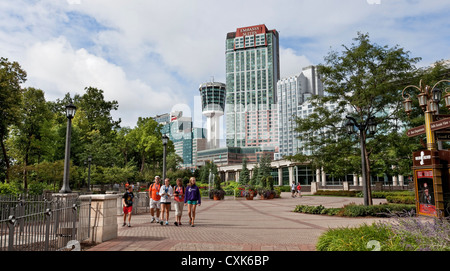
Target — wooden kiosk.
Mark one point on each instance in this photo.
(431, 181)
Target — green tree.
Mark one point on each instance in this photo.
(11, 77)
(244, 176)
(364, 80)
(28, 136)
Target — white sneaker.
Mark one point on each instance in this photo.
(153, 220)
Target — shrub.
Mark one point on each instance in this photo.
(401, 199)
(337, 193)
(403, 234)
(353, 210)
(354, 239)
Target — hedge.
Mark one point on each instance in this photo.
(353, 210)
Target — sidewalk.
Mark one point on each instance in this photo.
(236, 225)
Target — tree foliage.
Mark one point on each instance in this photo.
(363, 81)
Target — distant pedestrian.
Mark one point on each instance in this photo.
(153, 194)
(127, 203)
(178, 192)
(166, 193)
(293, 189)
(192, 199)
(299, 190)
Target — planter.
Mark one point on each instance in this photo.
(249, 198)
(216, 197)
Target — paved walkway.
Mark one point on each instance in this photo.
(236, 225)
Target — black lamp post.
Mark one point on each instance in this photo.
(70, 113)
(165, 141)
(369, 125)
(89, 172)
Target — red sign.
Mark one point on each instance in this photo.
(251, 30)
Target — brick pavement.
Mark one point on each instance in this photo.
(235, 225)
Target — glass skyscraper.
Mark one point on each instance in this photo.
(252, 72)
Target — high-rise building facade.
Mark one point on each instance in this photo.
(252, 72)
(293, 93)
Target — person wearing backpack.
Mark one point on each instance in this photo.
(153, 194)
(178, 192)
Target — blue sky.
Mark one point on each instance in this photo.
(151, 56)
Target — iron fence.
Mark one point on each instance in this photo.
(43, 223)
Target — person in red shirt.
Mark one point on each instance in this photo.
(178, 192)
(153, 194)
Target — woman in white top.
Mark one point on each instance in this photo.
(166, 192)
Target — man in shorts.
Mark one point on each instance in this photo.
(127, 203)
(153, 194)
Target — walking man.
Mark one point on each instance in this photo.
(155, 204)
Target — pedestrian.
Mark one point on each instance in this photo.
(155, 204)
(299, 190)
(293, 189)
(166, 192)
(178, 192)
(192, 199)
(127, 203)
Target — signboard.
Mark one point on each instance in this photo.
(422, 158)
(425, 192)
(443, 136)
(440, 124)
(416, 131)
(251, 30)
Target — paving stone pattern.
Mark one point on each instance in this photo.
(236, 225)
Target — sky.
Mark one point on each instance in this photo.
(151, 56)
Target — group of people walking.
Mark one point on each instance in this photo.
(162, 197)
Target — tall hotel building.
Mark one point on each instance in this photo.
(293, 94)
(252, 72)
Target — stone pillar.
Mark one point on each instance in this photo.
(345, 186)
(314, 187)
(394, 181)
(291, 175)
(324, 178)
(360, 181)
(236, 176)
(280, 176)
(103, 224)
(317, 175)
(355, 180)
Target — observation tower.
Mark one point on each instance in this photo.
(213, 105)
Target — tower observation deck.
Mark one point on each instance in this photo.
(213, 104)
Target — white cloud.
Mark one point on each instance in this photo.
(57, 68)
(150, 55)
(292, 63)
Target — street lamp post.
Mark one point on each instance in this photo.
(89, 172)
(429, 99)
(165, 141)
(370, 125)
(70, 113)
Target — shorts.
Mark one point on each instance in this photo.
(178, 208)
(155, 204)
(127, 209)
(193, 202)
(166, 202)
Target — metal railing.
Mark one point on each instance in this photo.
(41, 223)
